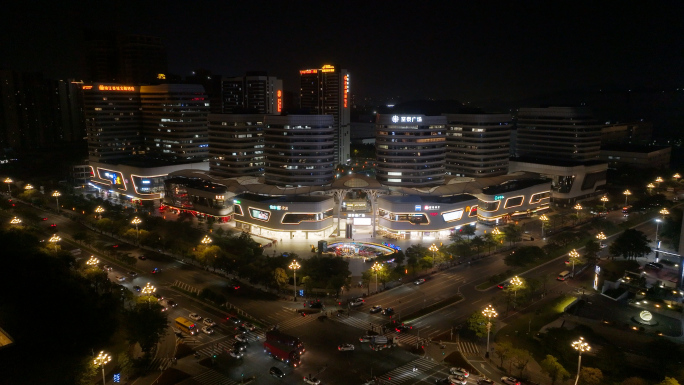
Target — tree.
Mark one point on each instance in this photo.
(591, 249)
(591, 376)
(82, 237)
(631, 244)
(521, 358)
(280, 277)
(477, 323)
(524, 255)
(512, 233)
(477, 242)
(669, 381)
(468, 231)
(145, 324)
(554, 369)
(503, 350)
(490, 240)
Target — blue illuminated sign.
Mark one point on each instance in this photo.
(418, 207)
(498, 197)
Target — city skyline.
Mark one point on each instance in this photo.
(472, 53)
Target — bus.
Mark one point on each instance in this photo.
(186, 325)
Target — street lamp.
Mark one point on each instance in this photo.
(28, 187)
(601, 237)
(627, 193)
(9, 182)
(15, 221)
(433, 248)
(543, 220)
(101, 360)
(676, 176)
(516, 282)
(650, 187)
(573, 254)
(54, 239)
(604, 199)
(294, 266)
(148, 290)
(92, 262)
(206, 240)
(664, 212)
(376, 268)
(489, 312)
(99, 210)
(578, 207)
(581, 346)
(56, 195)
(136, 221)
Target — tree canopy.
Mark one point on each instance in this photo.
(631, 244)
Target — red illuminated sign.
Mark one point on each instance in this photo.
(303, 72)
(279, 99)
(346, 89)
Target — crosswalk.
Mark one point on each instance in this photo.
(424, 367)
(160, 363)
(226, 344)
(357, 323)
(186, 287)
(296, 320)
(212, 377)
(468, 348)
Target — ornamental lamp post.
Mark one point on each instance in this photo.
(433, 248)
(604, 199)
(294, 266)
(56, 195)
(573, 254)
(601, 237)
(28, 187)
(489, 312)
(15, 221)
(578, 207)
(148, 290)
(650, 187)
(206, 240)
(92, 262)
(543, 220)
(136, 221)
(376, 268)
(99, 210)
(626, 193)
(516, 282)
(54, 239)
(101, 360)
(676, 176)
(9, 181)
(581, 346)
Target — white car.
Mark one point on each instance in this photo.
(209, 322)
(365, 338)
(458, 379)
(460, 371)
(250, 327)
(419, 282)
(120, 278)
(345, 347)
(510, 381)
(195, 317)
(236, 353)
(241, 338)
(357, 302)
(312, 380)
(207, 330)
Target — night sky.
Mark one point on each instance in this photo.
(469, 51)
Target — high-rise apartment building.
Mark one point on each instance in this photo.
(236, 145)
(410, 150)
(130, 59)
(254, 93)
(477, 145)
(175, 121)
(299, 150)
(566, 133)
(113, 120)
(325, 91)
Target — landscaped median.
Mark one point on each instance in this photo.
(432, 308)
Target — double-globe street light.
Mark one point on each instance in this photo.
(101, 360)
(376, 268)
(490, 313)
(294, 266)
(581, 346)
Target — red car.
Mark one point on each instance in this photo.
(44, 219)
(156, 270)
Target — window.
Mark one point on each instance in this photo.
(514, 202)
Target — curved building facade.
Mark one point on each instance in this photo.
(299, 150)
(410, 150)
(236, 144)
